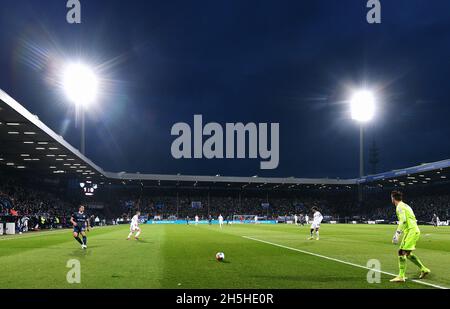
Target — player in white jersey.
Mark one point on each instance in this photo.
(196, 220)
(295, 219)
(220, 221)
(307, 219)
(134, 226)
(315, 226)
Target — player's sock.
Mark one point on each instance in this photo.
(312, 231)
(131, 234)
(85, 240)
(78, 239)
(413, 258)
(317, 234)
(402, 266)
(137, 234)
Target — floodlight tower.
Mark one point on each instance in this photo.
(362, 108)
(80, 85)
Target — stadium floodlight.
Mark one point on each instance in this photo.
(80, 85)
(362, 106)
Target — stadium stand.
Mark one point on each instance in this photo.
(43, 176)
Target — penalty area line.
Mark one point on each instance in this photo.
(340, 261)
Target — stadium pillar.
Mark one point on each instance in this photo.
(361, 151)
(361, 161)
(83, 132)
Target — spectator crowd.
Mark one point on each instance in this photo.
(34, 209)
(338, 208)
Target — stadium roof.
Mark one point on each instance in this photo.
(435, 172)
(26, 143)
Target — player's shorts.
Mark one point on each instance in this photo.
(78, 229)
(315, 225)
(409, 240)
(134, 227)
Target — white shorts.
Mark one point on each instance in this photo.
(220, 222)
(134, 227)
(315, 225)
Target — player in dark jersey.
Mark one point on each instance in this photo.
(80, 222)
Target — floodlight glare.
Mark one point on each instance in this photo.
(80, 84)
(362, 106)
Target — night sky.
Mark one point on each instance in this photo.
(292, 62)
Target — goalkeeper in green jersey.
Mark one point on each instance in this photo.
(407, 225)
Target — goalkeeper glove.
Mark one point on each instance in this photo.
(396, 237)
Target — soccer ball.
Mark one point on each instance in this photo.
(220, 256)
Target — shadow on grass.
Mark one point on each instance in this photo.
(81, 253)
(224, 262)
(144, 241)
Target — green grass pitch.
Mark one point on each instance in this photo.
(180, 256)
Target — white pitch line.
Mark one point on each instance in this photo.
(340, 261)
